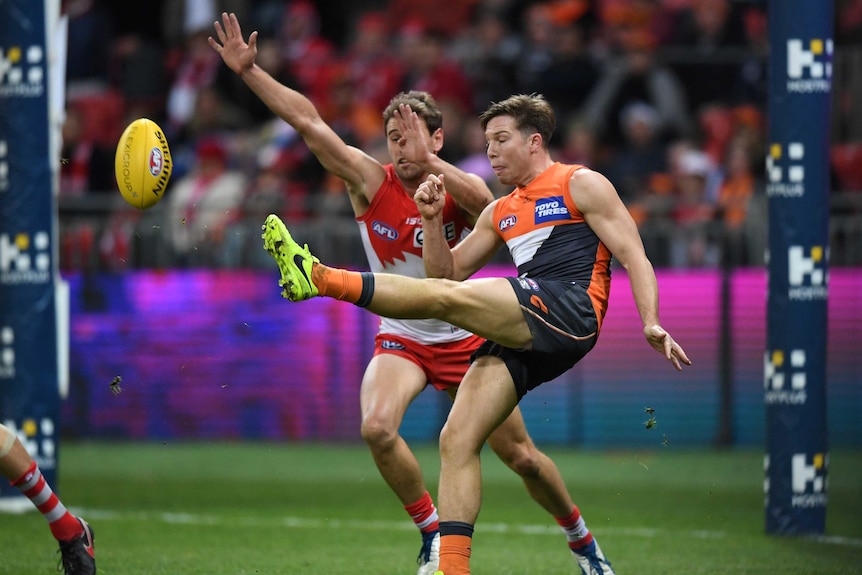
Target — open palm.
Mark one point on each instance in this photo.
(238, 55)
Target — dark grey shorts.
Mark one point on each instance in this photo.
(564, 327)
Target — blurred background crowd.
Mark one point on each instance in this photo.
(665, 97)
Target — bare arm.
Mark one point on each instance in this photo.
(358, 170)
(470, 254)
(469, 191)
(610, 220)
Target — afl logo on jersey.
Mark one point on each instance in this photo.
(384, 231)
(507, 222)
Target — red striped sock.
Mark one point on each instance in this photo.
(64, 526)
(424, 514)
(575, 529)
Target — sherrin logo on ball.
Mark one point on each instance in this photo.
(143, 164)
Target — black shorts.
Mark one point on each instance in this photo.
(563, 322)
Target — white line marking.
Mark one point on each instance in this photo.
(312, 523)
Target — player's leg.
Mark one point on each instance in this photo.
(487, 307)
(485, 399)
(73, 534)
(513, 445)
(390, 384)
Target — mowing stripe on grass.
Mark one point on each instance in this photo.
(313, 523)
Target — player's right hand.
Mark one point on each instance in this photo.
(430, 197)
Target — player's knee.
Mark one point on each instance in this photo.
(455, 446)
(524, 461)
(377, 433)
(7, 440)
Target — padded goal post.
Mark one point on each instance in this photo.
(33, 313)
(797, 176)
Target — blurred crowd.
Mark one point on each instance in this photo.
(665, 97)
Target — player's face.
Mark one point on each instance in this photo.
(399, 152)
(508, 150)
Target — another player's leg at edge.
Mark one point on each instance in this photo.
(294, 262)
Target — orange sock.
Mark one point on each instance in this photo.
(455, 554)
(338, 283)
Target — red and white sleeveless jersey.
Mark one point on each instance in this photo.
(548, 237)
(391, 231)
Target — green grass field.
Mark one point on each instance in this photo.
(242, 509)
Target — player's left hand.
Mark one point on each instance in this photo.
(238, 55)
(663, 343)
(414, 143)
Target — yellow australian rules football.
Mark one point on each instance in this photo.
(143, 163)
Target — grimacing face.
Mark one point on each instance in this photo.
(507, 149)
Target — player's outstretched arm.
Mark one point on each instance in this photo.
(469, 191)
(608, 217)
(346, 162)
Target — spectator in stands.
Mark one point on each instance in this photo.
(636, 76)
(196, 73)
(572, 73)
(737, 192)
(487, 51)
(709, 35)
(202, 203)
(305, 51)
(211, 114)
(537, 47)
(640, 155)
(437, 15)
(376, 74)
(694, 236)
(751, 81)
(87, 166)
(429, 69)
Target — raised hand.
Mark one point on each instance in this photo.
(238, 55)
(416, 147)
(663, 343)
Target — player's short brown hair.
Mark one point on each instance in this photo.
(420, 102)
(532, 114)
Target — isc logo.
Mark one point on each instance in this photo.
(809, 65)
(7, 352)
(777, 374)
(23, 261)
(22, 71)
